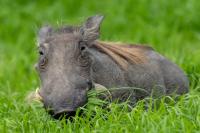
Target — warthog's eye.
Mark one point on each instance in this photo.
(82, 45)
(83, 59)
(42, 59)
(41, 51)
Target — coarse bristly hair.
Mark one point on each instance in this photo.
(123, 54)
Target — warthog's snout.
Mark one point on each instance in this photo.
(56, 113)
(63, 110)
(59, 104)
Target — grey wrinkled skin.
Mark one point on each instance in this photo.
(69, 65)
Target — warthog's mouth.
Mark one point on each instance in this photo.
(35, 96)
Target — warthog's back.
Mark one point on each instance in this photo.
(152, 74)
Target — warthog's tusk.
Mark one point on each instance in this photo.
(37, 95)
(34, 96)
(104, 92)
(99, 87)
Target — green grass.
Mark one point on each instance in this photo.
(172, 27)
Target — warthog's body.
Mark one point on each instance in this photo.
(72, 60)
(155, 76)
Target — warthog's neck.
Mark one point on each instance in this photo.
(105, 71)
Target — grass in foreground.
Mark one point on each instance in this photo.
(181, 116)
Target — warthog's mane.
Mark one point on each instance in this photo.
(123, 54)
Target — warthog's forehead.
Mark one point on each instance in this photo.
(59, 38)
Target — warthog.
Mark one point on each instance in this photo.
(72, 60)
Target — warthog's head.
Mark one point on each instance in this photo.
(64, 65)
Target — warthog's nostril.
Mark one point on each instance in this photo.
(64, 113)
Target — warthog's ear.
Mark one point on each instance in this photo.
(90, 29)
(44, 32)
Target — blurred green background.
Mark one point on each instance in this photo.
(172, 27)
